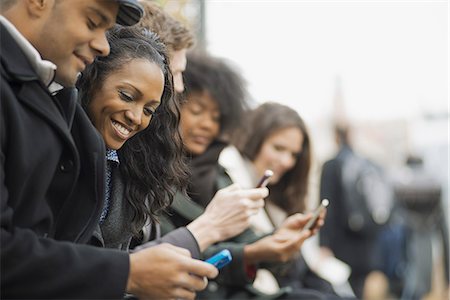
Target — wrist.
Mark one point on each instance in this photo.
(251, 254)
(131, 285)
(203, 231)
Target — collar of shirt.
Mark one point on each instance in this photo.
(111, 155)
(44, 69)
(54, 88)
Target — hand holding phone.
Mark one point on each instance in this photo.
(220, 259)
(265, 178)
(316, 214)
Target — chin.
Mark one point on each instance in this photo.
(196, 151)
(114, 146)
(67, 81)
(274, 180)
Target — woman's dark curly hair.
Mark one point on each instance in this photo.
(206, 73)
(151, 162)
(290, 191)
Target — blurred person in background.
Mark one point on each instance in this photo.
(421, 227)
(177, 38)
(360, 205)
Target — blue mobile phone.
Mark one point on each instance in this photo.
(220, 259)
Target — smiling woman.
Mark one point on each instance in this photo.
(129, 98)
(126, 101)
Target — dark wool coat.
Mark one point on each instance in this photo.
(51, 191)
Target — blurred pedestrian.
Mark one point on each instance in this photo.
(360, 204)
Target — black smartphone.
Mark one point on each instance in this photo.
(265, 179)
(316, 214)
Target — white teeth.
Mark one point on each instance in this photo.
(121, 129)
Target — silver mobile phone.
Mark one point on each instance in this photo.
(316, 214)
(265, 179)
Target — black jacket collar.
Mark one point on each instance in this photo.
(13, 59)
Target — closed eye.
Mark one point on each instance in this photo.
(91, 24)
(148, 111)
(124, 96)
(278, 148)
(195, 110)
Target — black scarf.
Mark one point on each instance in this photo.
(204, 169)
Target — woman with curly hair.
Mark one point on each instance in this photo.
(128, 95)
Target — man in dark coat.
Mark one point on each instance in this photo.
(52, 163)
(353, 221)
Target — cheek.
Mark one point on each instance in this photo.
(146, 122)
(188, 121)
(183, 126)
(93, 113)
(268, 155)
(216, 129)
(97, 113)
(292, 164)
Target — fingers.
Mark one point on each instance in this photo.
(231, 187)
(182, 293)
(252, 199)
(252, 205)
(201, 269)
(319, 223)
(253, 194)
(193, 283)
(193, 266)
(178, 250)
(296, 221)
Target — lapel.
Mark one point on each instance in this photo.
(31, 91)
(38, 100)
(68, 98)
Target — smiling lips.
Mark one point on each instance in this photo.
(203, 140)
(86, 61)
(122, 131)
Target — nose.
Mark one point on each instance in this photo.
(100, 44)
(208, 123)
(134, 115)
(286, 160)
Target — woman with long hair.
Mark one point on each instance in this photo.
(128, 96)
(276, 138)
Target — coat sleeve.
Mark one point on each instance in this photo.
(180, 237)
(33, 266)
(237, 272)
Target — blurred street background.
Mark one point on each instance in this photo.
(381, 67)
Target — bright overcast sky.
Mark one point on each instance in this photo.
(391, 56)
